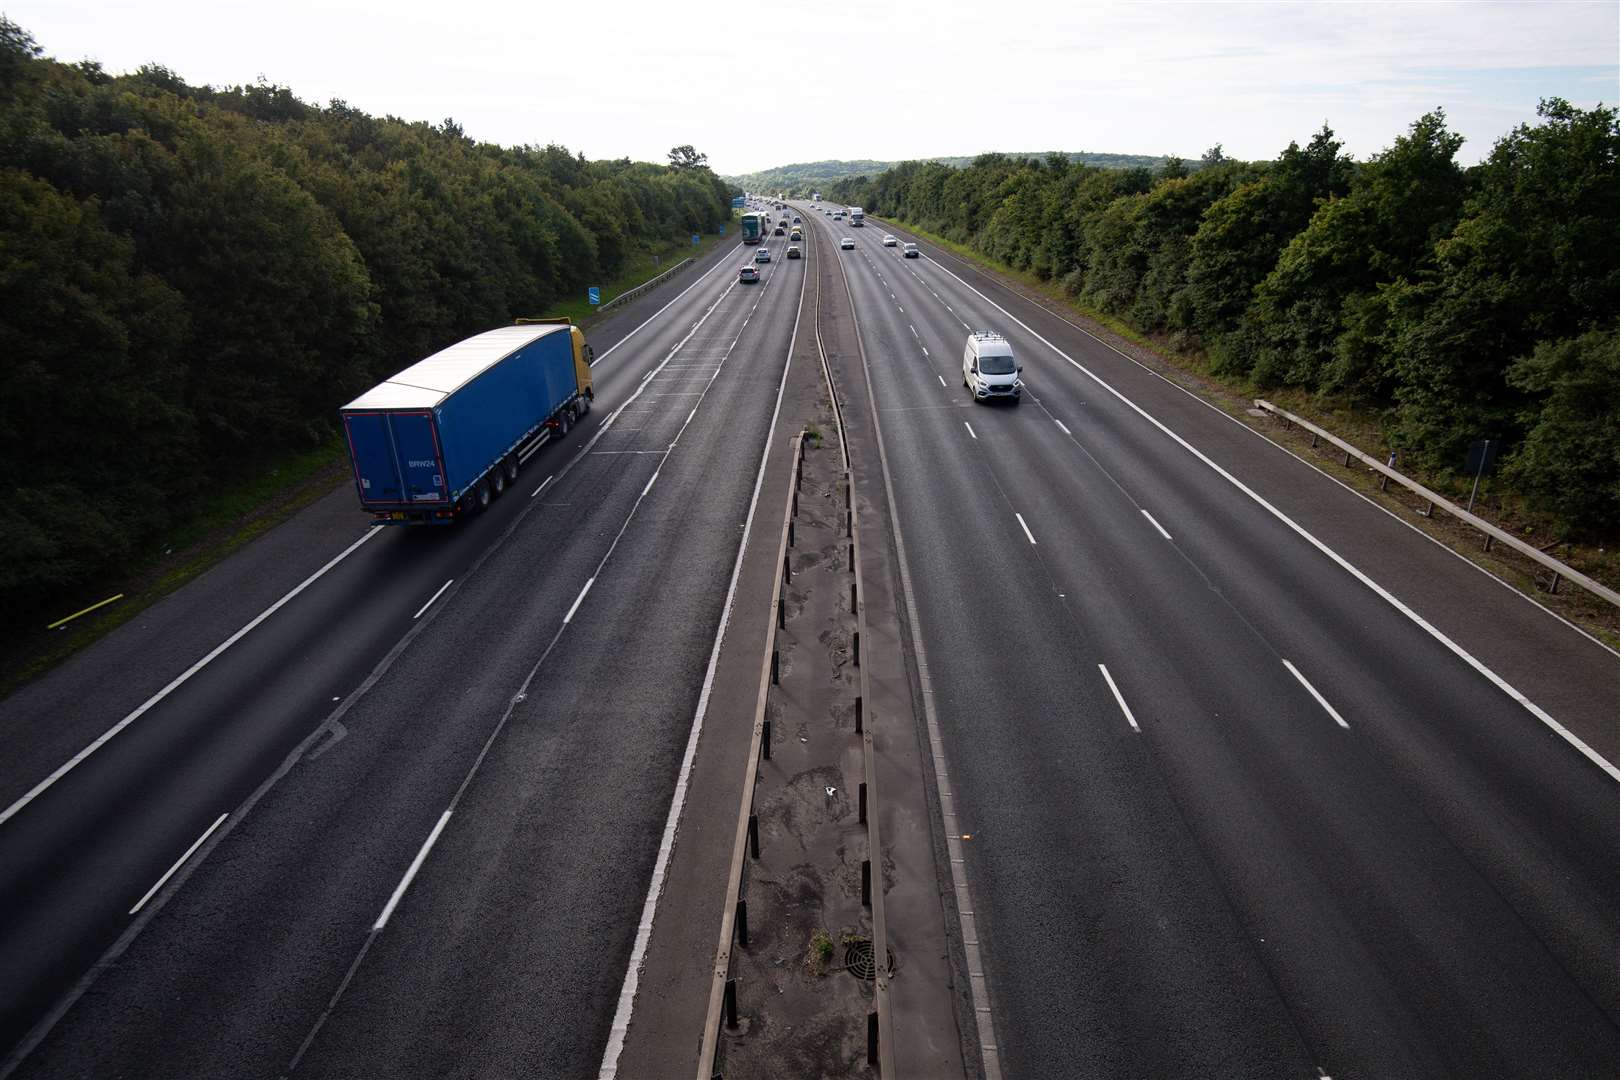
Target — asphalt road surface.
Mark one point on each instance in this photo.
(446, 878)
(1233, 812)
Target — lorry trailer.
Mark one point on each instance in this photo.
(444, 437)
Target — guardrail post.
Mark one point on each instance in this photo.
(1383, 482)
(776, 667)
(731, 1004)
(787, 569)
(863, 801)
(765, 742)
(790, 535)
(857, 650)
(753, 829)
(853, 599)
(872, 1038)
(781, 610)
(866, 886)
(858, 714)
(1313, 440)
(742, 922)
(1488, 539)
(1347, 459)
(1553, 591)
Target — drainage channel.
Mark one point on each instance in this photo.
(796, 987)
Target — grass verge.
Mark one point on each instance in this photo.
(648, 265)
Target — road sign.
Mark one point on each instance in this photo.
(722, 230)
(696, 239)
(594, 294)
(737, 203)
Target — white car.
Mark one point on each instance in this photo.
(889, 241)
(989, 368)
(847, 244)
(910, 251)
(763, 255)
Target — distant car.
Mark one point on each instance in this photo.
(796, 220)
(795, 235)
(781, 231)
(793, 253)
(748, 274)
(910, 251)
(762, 255)
(889, 241)
(847, 244)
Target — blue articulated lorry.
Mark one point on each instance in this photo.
(444, 437)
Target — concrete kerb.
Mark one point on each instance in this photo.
(1559, 569)
(722, 992)
(979, 996)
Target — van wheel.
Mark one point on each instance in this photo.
(497, 481)
(481, 497)
(510, 467)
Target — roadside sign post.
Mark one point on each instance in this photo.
(696, 239)
(1481, 456)
(594, 295)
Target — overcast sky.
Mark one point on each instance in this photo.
(759, 85)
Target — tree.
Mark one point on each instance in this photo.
(684, 157)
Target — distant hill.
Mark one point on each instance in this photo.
(810, 176)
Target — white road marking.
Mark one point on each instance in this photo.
(691, 414)
(1062, 426)
(432, 598)
(655, 888)
(941, 379)
(178, 863)
(410, 874)
(543, 484)
(1021, 525)
(660, 311)
(588, 583)
(1154, 522)
(970, 432)
(650, 481)
(106, 736)
(1124, 708)
(914, 332)
(1320, 700)
(925, 350)
(1344, 564)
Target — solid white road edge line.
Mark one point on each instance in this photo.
(1124, 708)
(1023, 526)
(543, 484)
(410, 874)
(718, 264)
(1320, 700)
(1154, 522)
(655, 888)
(588, 583)
(432, 598)
(106, 736)
(178, 863)
(1344, 564)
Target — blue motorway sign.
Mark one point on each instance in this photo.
(594, 294)
(737, 203)
(696, 239)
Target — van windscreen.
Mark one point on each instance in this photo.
(997, 365)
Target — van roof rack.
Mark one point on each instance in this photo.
(989, 335)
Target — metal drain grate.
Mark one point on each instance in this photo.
(858, 960)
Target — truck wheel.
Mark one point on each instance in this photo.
(564, 422)
(510, 467)
(584, 404)
(497, 482)
(482, 497)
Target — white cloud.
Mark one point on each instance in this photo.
(760, 85)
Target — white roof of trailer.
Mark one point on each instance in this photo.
(426, 383)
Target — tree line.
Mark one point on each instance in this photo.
(1462, 302)
(193, 280)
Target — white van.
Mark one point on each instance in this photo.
(989, 368)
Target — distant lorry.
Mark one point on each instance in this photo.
(444, 437)
(857, 217)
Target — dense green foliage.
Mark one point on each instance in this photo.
(1466, 302)
(193, 280)
(800, 180)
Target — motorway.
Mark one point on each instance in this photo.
(405, 824)
(1229, 808)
